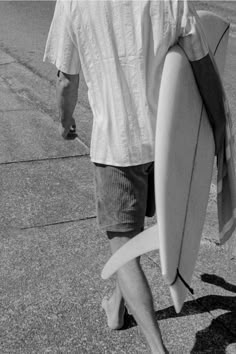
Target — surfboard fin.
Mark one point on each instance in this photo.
(178, 275)
(144, 242)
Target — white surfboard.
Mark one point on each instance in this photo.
(183, 170)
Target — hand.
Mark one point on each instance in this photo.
(68, 131)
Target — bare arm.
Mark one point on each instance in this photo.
(212, 93)
(67, 94)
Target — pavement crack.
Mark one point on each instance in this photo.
(57, 223)
(7, 63)
(44, 159)
(15, 110)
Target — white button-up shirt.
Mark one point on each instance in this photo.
(121, 47)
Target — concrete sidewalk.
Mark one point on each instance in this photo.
(52, 253)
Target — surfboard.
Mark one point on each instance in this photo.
(183, 169)
(184, 172)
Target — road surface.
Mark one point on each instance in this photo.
(24, 27)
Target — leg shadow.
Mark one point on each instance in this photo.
(129, 321)
(220, 333)
(222, 330)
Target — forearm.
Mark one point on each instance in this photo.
(212, 93)
(67, 95)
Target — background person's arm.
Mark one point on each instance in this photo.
(212, 93)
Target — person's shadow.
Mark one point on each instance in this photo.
(222, 330)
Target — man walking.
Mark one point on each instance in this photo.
(121, 47)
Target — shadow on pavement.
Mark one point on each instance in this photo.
(210, 339)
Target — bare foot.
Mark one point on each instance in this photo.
(115, 311)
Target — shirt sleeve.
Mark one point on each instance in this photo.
(60, 47)
(192, 38)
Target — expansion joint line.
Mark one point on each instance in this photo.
(58, 223)
(44, 159)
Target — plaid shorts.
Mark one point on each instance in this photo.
(124, 196)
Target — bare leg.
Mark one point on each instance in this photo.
(136, 292)
(114, 308)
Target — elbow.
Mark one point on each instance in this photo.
(66, 82)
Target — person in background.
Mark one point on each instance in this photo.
(121, 47)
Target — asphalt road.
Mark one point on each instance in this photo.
(23, 31)
(24, 26)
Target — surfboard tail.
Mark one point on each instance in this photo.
(144, 242)
(178, 294)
